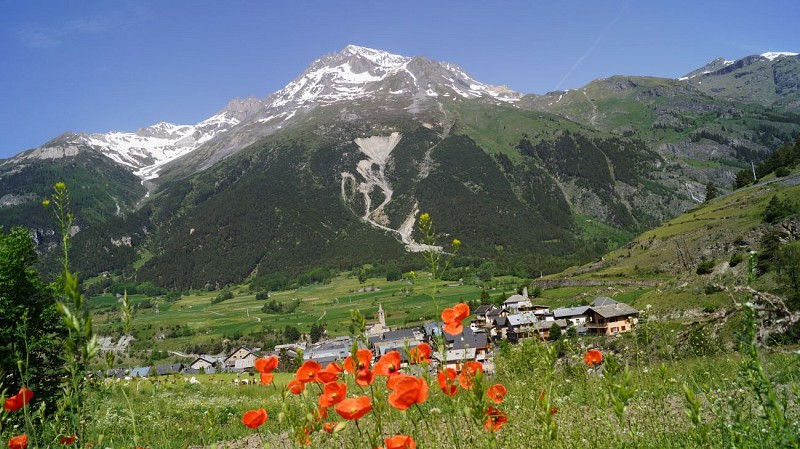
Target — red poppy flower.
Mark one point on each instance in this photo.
(365, 377)
(362, 360)
(593, 357)
(389, 364)
(295, 386)
(496, 393)
(453, 317)
(332, 394)
(308, 371)
(391, 383)
(328, 427)
(469, 371)
(66, 441)
(266, 378)
(400, 442)
(19, 400)
(254, 418)
(447, 381)
(495, 419)
(266, 364)
(409, 390)
(330, 373)
(420, 353)
(18, 442)
(354, 408)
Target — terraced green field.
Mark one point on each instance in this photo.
(405, 304)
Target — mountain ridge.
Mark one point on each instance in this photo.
(312, 175)
(339, 76)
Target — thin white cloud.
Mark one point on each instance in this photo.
(39, 36)
(88, 26)
(36, 37)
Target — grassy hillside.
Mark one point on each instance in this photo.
(719, 235)
(656, 270)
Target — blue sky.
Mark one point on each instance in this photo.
(99, 66)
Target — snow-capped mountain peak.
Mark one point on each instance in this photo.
(353, 74)
(378, 57)
(720, 64)
(358, 72)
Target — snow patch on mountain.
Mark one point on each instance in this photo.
(148, 149)
(773, 55)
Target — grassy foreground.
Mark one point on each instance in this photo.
(631, 400)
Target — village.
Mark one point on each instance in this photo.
(519, 317)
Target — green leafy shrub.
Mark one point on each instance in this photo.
(222, 297)
(777, 209)
(706, 266)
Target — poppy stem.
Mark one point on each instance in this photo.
(379, 411)
(359, 429)
(453, 434)
(422, 415)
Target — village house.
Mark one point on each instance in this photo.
(327, 351)
(575, 316)
(396, 340)
(207, 363)
(482, 319)
(542, 312)
(242, 358)
(470, 339)
(518, 303)
(498, 330)
(141, 371)
(519, 325)
(432, 331)
(171, 368)
(542, 328)
(608, 317)
(455, 358)
(296, 347)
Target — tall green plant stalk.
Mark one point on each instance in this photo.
(435, 256)
(437, 264)
(80, 344)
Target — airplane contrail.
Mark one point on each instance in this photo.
(594, 45)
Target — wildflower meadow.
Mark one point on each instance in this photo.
(634, 391)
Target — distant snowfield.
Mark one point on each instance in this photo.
(772, 55)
